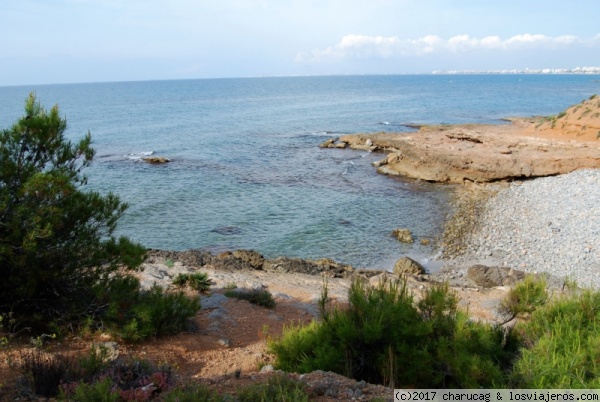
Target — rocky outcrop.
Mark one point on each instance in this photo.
(408, 266)
(324, 266)
(477, 153)
(333, 143)
(403, 235)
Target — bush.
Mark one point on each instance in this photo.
(562, 345)
(198, 281)
(56, 240)
(260, 297)
(45, 372)
(524, 298)
(382, 337)
(279, 388)
(193, 393)
(135, 315)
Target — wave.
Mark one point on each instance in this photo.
(138, 156)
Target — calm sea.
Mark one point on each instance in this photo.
(246, 169)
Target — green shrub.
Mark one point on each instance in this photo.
(198, 281)
(524, 298)
(279, 388)
(135, 315)
(382, 337)
(101, 391)
(56, 240)
(562, 345)
(192, 393)
(259, 297)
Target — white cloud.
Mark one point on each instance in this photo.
(385, 47)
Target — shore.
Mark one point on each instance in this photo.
(523, 149)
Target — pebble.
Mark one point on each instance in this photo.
(549, 224)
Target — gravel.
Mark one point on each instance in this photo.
(549, 224)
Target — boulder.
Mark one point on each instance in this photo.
(251, 257)
(403, 235)
(407, 265)
(327, 143)
(156, 160)
(106, 351)
(489, 277)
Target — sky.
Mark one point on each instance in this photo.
(72, 41)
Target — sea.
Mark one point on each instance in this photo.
(246, 170)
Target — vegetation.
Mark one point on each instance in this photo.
(383, 337)
(60, 264)
(260, 297)
(198, 281)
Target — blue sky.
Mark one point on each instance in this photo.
(64, 41)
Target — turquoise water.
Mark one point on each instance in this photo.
(246, 169)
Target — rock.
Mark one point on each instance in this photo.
(106, 351)
(425, 242)
(369, 142)
(403, 235)
(267, 369)
(489, 277)
(324, 266)
(407, 265)
(340, 145)
(251, 257)
(156, 160)
(327, 143)
(224, 342)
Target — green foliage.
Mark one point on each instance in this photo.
(100, 391)
(135, 314)
(259, 297)
(524, 298)
(279, 388)
(192, 393)
(198, 281)
(562, 345)
(56, 240)
(382, 337)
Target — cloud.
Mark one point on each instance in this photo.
(386, 47)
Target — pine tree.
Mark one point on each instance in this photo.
(56, 240)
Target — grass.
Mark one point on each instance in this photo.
(260, 297)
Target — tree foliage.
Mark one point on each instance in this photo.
(56, 240)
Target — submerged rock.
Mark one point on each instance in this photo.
(155, 160)
(403, 235)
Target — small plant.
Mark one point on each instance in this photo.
(45, 372)
(277, 388)
(561, 115)
(198, 281)
(192, 393)
(593, 96)
(230, 286)
(259, 297)
(169, 263)
(100, 391)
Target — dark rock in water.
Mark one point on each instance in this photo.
(489, 277)
(344, 222)
(227, 230)
(403, 235)
(407, 265)
(155, 160)
(324, 266)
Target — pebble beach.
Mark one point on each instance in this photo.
(549, 224)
